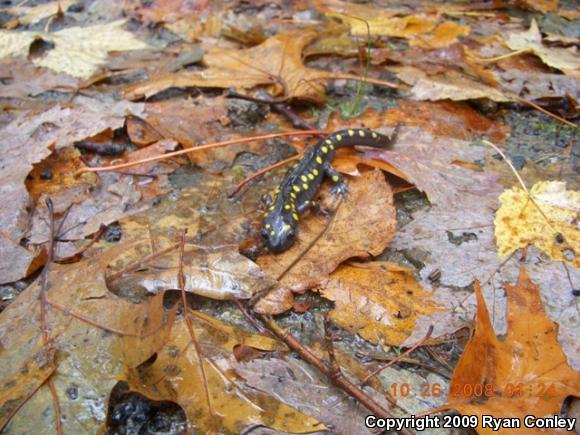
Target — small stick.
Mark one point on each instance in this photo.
(261, 172)
(189, 324)
(199, 148)
(399, 358)
(497, 58)
(339, 380)
(334, 366)
(43, 307)
(547, 112)
(259, 327)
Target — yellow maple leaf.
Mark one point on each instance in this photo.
(78, 51)
(382, 24)
(550, 223)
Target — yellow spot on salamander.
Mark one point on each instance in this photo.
(295, 216)
(361, 133)
(292, 195)
(374, 135)
(271, 208)
(286, 227)
(287, 207)
(303, 178)
(305, 186)
(338, 137)
(335, 178)
(267, 226)
(351, 132)
(328, 142)
(296, 188)
(272, 233)
(315, 172)
(319, 160)
(324, 150)
(331, 146)
(277, 189)
(310, 176)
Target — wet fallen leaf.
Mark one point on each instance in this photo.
(564, 59)
(386, 25)
(169, 11)
(451, 85)
(205, 386)
(534, 85)
(173, 118)
(77, 51)
(28, 140)
(427, 161)
(192, 28)
(457, 244)
(445, 34)
(526, 373)
(34, 14)
(221, 274)
(552, 227)
(86, 324)
(541, 5)
(379, 301)
(276, 62)
(141, 132)
(24, 382)
(22, 79)
(338, 240)
(446, 119)
(301, 387)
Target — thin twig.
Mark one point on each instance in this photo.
(189, 324)
(44, 284)
(334, 366)
(508, 161)
(547, 112)
(259, 327)
(311, 244)
(399, 358)
(261, 172)
(336, 378)
(199, 148)
(498, 58)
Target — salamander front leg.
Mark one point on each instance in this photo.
(339, 187)
(314, 207)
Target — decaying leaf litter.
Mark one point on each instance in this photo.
(88, 84)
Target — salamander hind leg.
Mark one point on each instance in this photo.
(340, 187)
(302, 207)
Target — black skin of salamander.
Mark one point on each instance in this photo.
(301, 183)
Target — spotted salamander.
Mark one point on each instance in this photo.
(301, 183)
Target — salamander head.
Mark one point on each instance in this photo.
(278, 231)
